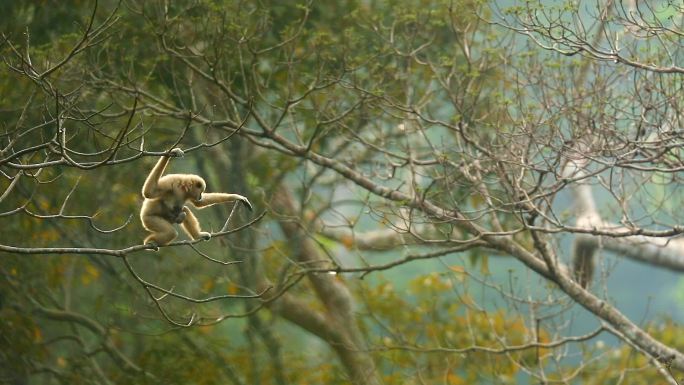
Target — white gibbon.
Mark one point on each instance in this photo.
(165, 199)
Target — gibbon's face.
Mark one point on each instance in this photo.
(197, 188)
(193, 188)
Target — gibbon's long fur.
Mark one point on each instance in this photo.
(583, 261)
(165, 199)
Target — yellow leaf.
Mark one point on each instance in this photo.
(484, 267)
(57, 272)
(90, 274)
(43, 204)
(457, 269)
(232, 288)
(309, 215)
(347, 241)
(476, 200)
(453, 379)
(208, 285)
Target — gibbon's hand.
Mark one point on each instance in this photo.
(247, 203)
(204, 235)
(176, 153)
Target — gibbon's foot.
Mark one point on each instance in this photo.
(247, 203)
(177, 153)
(153, 246)
(204, 235)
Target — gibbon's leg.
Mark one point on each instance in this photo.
(150, 188)
(192, 226)
(209, 199)
(583, 261)
(162, 231)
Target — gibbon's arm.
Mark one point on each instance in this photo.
(151, 187)
(209, 199)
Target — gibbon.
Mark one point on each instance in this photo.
(165, 199)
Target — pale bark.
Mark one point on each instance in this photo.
(337, 323)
